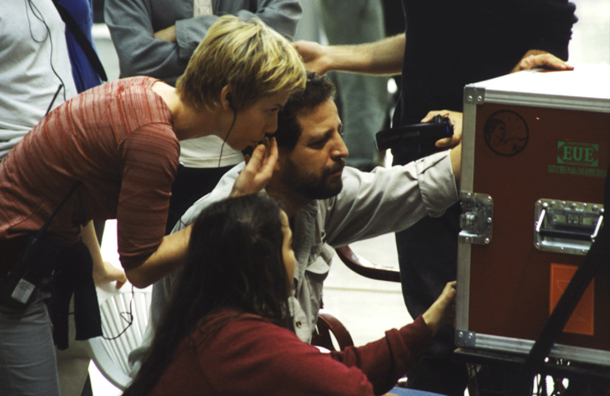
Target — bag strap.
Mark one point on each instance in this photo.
(82, 40)
(44, 227)
(598, 254)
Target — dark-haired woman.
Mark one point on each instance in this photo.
(226, 330)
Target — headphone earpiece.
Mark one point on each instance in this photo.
(229, 98)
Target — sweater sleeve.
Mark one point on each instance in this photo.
(250, 354)
(386, 360)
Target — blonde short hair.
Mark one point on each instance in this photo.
(252, 59)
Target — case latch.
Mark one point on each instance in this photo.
(566, 226)
(476, 218)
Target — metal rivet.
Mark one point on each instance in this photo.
(486, 240)
(489, 220)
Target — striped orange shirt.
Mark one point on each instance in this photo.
(117, 140)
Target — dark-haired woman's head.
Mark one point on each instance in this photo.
(240, 258)
(236, 258)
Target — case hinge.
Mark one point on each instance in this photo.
(476, 218)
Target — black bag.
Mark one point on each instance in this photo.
(34, 267)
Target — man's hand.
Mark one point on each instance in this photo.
(456, 120)
(259, 169)
(167, 34)
(313, 55)
(535, 58)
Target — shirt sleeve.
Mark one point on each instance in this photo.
(140, 53)
(280, 15)
(389, 199)
(274, 361)
(149, 162)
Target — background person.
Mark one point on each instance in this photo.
(227, 328)
(157, 38)
(34, 65)
(117, 146)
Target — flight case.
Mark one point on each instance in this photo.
(535, 158)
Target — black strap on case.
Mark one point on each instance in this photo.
(82, 40)
(598, 254)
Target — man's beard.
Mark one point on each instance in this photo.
(313, 186)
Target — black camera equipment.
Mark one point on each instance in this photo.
(415, 134)
(34, 268)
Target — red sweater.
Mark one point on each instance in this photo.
(253, 357)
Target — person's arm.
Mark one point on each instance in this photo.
(258, 170)
(538, 58)
(145, 49)
(546, 25)
(254, 354)
(103, 272)
(454, 142)
(391, 199)
(132, 28)
(382, 57)
(170, 253)
(388, 359)
(546, 29)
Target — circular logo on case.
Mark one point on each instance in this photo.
(506, 133)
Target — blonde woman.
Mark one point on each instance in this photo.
(113, 152)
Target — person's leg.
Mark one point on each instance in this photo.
(363, 100)
(73, 363)
(27, 355)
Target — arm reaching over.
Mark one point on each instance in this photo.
(383, 57)
(537, 58)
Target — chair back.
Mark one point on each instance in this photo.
(125, 316)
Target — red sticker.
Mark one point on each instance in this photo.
(582, 319)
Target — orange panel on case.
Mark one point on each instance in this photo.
(582, 319)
